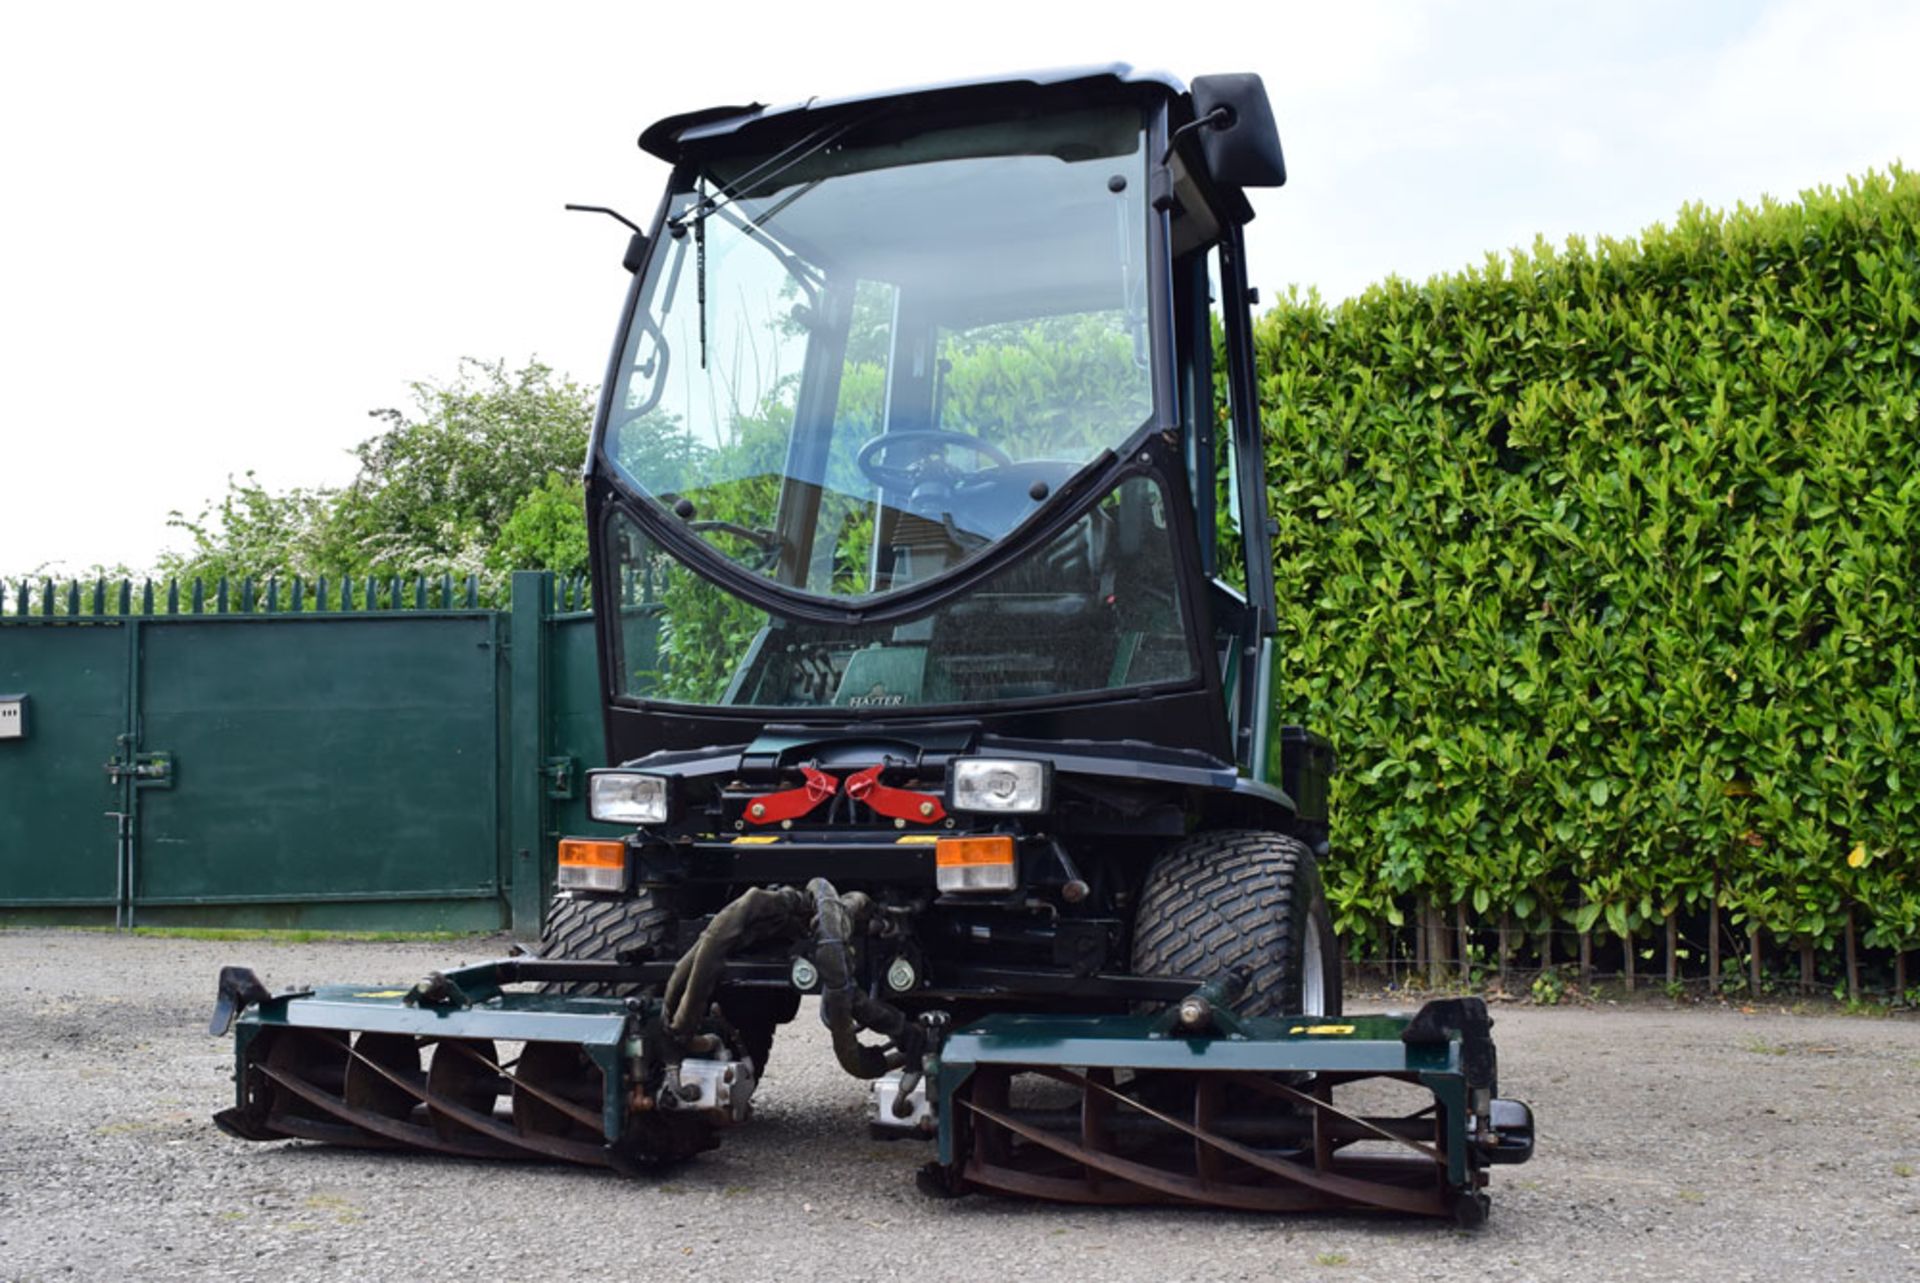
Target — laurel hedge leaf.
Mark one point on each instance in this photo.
(1597, 563)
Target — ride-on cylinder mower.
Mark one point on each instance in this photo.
(935, 611)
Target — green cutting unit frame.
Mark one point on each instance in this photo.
(1235, 1113)
(1188, 1105)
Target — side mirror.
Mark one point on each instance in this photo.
(1242, 148)
(636, 255)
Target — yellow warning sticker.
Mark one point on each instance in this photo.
(917, 839)
(1322, 1031)
(756, 839)
(382, 993)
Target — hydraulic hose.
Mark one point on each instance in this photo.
(845, 1008)
(757, 913)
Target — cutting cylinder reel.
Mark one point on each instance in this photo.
(1191, 1104)
(381, 1069)
(1195, 1105)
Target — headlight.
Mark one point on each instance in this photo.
(627, 797)
(1007, 786)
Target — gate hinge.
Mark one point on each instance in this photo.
(558, 773)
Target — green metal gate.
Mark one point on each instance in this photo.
(386, 755)
(351, 765)
(326, 762)
(63, 815)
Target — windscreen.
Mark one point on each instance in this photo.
(1094, 608)
(861, 360)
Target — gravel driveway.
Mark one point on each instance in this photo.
(1675, 1144)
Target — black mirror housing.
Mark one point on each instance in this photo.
(1243, 151)
(636, 255)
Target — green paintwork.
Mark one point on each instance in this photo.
(1265, 737)
(897, 673)
(575, 724)
(319, 763)
(1130, 1042)
(513, 1017)
(560, 694)
(526, 696)
(468, 916)
(58, 844)
(598, 1026)
(1450, 1090)
(304, 762)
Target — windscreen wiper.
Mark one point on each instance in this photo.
(766, 171)
(810, 278)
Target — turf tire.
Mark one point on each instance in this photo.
(593, 930)
(599, 930)
(1247, 900)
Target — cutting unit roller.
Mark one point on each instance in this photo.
(1256, 1115)
(457, 1065)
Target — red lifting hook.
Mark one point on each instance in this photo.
(791, 804)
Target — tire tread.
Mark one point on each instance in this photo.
(595, 930)
(1224, 900)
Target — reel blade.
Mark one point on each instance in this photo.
(1208, 1138)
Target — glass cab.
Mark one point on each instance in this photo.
(916, 413)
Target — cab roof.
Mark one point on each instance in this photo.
(674, 137)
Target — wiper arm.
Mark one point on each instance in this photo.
(765, 172)
(769, 169)
(806, 275)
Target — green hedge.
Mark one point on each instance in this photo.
(1599, 566)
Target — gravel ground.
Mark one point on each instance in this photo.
(1675, 1144)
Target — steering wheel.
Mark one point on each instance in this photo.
(765, 543)
(906, 476)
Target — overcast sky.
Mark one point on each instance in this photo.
(228, 232)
